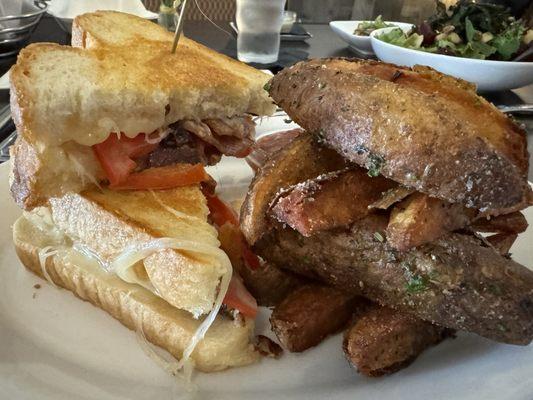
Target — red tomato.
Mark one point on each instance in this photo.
(167, 177)
(220, 212)
(115, 155)
(137, 146)
(114, 160)
(240, 299)
(249, 257)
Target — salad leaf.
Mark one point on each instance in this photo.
(470, 30)
(365, 28)
(476, 49)
(508, 42)
(398, 37)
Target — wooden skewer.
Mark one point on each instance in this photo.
(179, 27)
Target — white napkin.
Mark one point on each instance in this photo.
(68, 9)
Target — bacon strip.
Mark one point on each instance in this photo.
(231, 136)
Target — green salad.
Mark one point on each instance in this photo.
(365, 28)
(482, 31)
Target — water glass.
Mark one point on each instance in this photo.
(259, 24)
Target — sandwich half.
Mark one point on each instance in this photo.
(122, 78)
(109, 166)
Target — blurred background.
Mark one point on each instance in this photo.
(324, 11)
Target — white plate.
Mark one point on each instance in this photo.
(55, 346)
(488, 75)
(67, 10)
(358, 43)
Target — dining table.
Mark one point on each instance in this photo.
(323, 42)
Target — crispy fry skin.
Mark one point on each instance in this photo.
(300, 160)
(309, 314)
(421, 219)
(391, 197)
(383, 340)
(268, 284)
(330, 200)
(502, 242)
(415, 126)
(509, 223)
(456, 281)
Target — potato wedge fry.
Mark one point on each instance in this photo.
(502, 242)
(514, 222)
(267, 145)
(300, 160)
(383, 340)
(309, 314)
(331, 200)
(391, 197)
(421, 219)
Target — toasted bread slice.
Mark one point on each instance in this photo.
(62, 93)
(423, 129)
(226, 344)
(107, 222)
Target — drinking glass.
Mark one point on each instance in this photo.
(259, 24)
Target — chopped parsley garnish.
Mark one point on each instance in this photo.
(415, 283)
(267, 86)
(374, 165)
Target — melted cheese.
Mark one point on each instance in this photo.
(133, 254)
(124, 263)
(82, 172)
(44, 254)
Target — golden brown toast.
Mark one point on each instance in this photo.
(107, 221)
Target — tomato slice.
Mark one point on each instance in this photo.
(248, 256)
(114, 160)
(137, 146)
(167, 177)
(115, 155)
(240, 299)
(220, 211)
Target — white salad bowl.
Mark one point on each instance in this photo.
(358, 43)
(488, 75)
